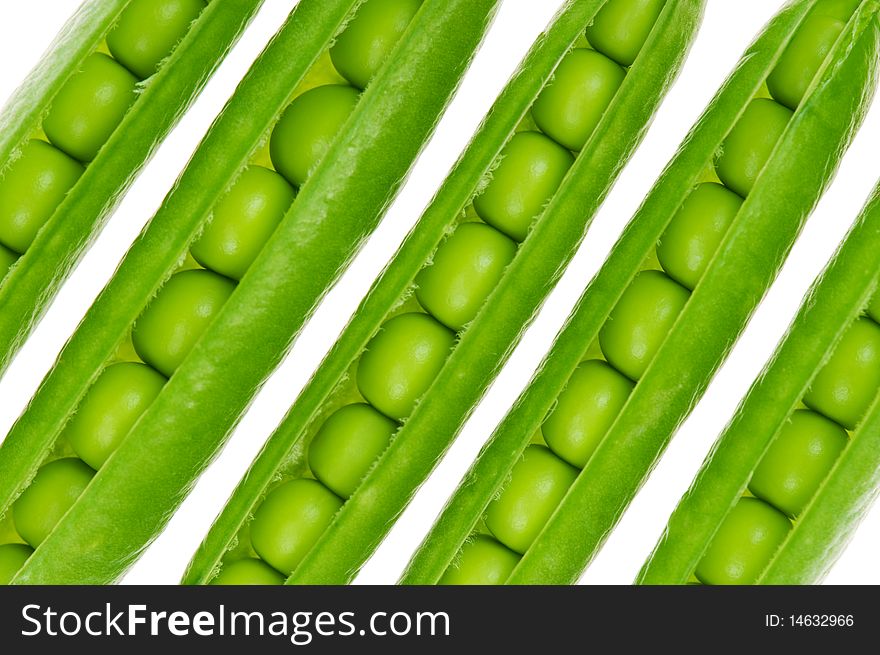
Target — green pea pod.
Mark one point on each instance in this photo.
(27, 289)
(822, 529)
(483, 345)
(783, 195)
(142, 482)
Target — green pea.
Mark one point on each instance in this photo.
(621, 28)
(110, 408)
(7, 259)
(242, 222)
(89, 107)
(401, 362)
(370, 37)
(531, 167)
(12, 558)
(744, 544)
(482, 561)
(465, 269)
(290, 520)
(807, 50)
(347, 445)
(308, 127)
(572, 104)
(247, 571)
(537, 485)
(585, 410)
(639, 323)
(176, 318)
(30, 191)
(797, 462)
(845, 386)
(750, 144)
(52, 492)
(696, 231)
(873, 308)
(148, 30)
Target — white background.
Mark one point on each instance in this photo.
(27, 28)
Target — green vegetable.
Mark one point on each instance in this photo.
(346, 446)
(30, 190)
(242, 222)
(844, 388)
(89, 108)
(750, 534)
(465, 269)
(308, 127)
(82, 94)
(640, 321)
(361, 50)
(141, 50)
(7, 259)
(52, 492)
(111, 407)
(482, 346)
(572, 104)
(248, 571)
(483, 561)
(781, 196)
(137, 488)
(530, 171)
(290, 521)
(12, 558)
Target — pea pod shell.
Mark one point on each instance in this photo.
(719, 307)
(32, 282)
(133, 495)
(822, 529)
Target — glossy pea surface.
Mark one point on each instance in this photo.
(348, 443)
(573, 103)
(31, 189)
(845, 386)
(176, 318)
(290, 521)
(530, 169)
(797, 461)
(247, 571)
(110, 408)
(639, 323)
(482, 561)
(52, 492)
(401, 362)
(536, 486)
(370, 37)
(750, 143)
(585, 410)
(621, 28)
(148, 30)
(464, 270)
(89, 107)
(242, 222)
(695, 232)
(308, 127)
(807, 50)
(12, 558)
(744, 544)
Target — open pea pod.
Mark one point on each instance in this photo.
(438, 324)
(74, 136)
(149, 406)
(654, 324)
(795, 460)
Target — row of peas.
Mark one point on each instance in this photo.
(241, 223)
(83, 115)
(799, 458)
(643, 316)
(402, 360)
